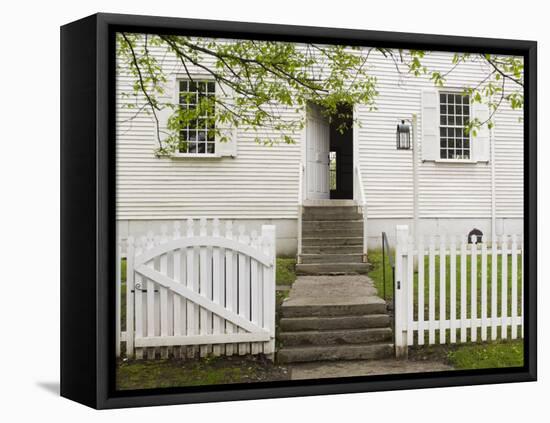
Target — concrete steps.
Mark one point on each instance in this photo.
(336, 337)
(316, 213)
(331, 268)
(333, 233)
(334, 318)
(332, 249)
(332, 239)
(367, 305)
(288, 324)
(314, 225)
(335, 352)
(332, 258)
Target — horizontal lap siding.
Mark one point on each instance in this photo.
(509, 163)
(445, 190)
(261, 182)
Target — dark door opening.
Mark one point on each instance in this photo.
(341, 154)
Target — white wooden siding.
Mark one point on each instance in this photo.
(446, 190)
(262, 181)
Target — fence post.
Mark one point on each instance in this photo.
(130, 298)
(118, 283)
(401, 290)
(268, 237)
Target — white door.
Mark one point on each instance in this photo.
(318, 149)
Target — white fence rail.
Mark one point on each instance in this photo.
(461, 292)
(210, 292)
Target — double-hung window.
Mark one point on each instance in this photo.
(198, 137)
(454, 116)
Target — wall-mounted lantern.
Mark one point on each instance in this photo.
(403, 136)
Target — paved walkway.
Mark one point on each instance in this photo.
(346, 290)
(320, 370)
(331, 290)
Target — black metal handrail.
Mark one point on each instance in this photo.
(386, 246)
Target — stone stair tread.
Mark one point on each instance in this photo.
(305, 323)
(332, 301)
(331, 268)
(336, 337)
(293, 354)
(353, 330)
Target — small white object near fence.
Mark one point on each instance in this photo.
(461, 300)
(200, 294)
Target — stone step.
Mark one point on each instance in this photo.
(332, 249)
(331, 258)
(314, 225)
(329, 203)
(335, 352)
(367, 305)
(331, 268)
(331, 233)
(331, 213)
(335, 337)
(333, 241)
(289, 324)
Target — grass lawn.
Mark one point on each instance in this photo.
(144, 374)
(502, 353)
(286, 271)
(487, 355)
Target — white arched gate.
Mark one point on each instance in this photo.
(200, 294)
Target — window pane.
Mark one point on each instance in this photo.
(443, 143)
(451, 120)
(443, 132)
(442, 98)
(443, 109)
(199, 130)
(443, 153)
(443, 120)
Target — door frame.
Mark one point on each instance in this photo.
(303, 158)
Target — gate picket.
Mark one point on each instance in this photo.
(201, 294)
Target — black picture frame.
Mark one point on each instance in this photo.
(88, 210)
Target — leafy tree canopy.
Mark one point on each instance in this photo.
(256, 78)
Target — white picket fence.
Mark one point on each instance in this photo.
(474, 301)
(199, 293)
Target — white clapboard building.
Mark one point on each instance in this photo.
(330, 192)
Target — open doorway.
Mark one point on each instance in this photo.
(341, 154)
(329, 151)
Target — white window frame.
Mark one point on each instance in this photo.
(176, 98)
(455, 91)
